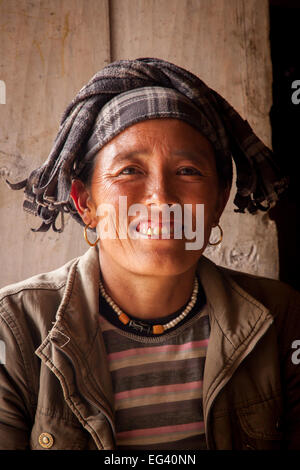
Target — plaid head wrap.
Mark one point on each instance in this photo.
(129, 91)
(153, 102)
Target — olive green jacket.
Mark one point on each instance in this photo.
(55, 385)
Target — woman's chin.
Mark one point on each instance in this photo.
(163, 260)
(151, 257)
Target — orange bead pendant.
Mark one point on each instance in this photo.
(158, 329)
(124, 318)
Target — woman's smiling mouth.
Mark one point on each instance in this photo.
(157, 230)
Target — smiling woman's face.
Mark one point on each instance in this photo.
(156, 162)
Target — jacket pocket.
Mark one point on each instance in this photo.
(53, 433)
(260, 424)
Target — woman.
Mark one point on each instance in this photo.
(143, 343)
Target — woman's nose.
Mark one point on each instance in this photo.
(162, 192)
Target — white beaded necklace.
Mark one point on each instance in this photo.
(156, 329)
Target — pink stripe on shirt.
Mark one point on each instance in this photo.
(157, 349)
(162, 430)
(158, 389)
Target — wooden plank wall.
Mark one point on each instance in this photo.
(49, 49)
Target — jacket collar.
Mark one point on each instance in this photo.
(238, 321)
(75, 352)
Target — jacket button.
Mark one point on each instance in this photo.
(278, 424)
(46, 440)
(248, 446)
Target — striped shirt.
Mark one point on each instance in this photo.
(157, 381)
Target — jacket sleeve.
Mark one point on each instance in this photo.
(15, 422)
(289, 346)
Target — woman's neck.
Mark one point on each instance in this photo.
(146, 296)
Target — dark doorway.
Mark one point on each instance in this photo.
(285, 121)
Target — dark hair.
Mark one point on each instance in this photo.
(87, 172)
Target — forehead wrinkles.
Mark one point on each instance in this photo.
(135, 142)
(161, 137)
(156, 143)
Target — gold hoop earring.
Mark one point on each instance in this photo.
(86, 237)
(221, 237)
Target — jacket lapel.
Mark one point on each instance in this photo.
(237, 321)
(75, 352)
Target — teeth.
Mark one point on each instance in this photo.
(156, 230)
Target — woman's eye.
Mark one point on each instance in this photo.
(185, 171)
(189, 171)
(129, 170)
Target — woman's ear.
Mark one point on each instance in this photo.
(83, 202)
